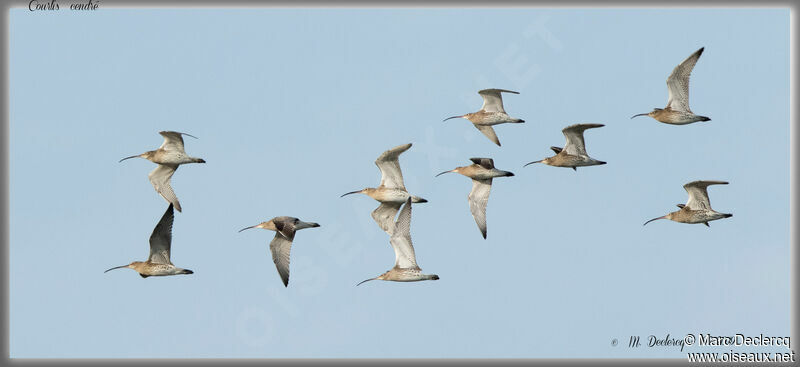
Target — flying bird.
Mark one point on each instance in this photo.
(158, 264)
(281, 245)
(405, 264)
(573, 154)
(491, 113)
(481, 172)
(677, 111)
(168, 156)
(391, 193)
(698, 208)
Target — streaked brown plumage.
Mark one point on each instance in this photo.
(168, 156)
(405, 265)
(281, 245)
(481, 172)
(698, 208)
(677, 111)
(158, 263)
(392, 191)
(574, 153)
(491, 113)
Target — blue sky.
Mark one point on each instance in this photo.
(291, 108)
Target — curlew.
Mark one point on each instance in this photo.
(677, 111)
(168, 156)
(481, 172)
(491, 113)
(574, 153)
(405, 264)
(392, 192)
(158, 264)
(698, 208)
(281, 245)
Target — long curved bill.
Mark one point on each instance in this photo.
(249, 227)
(352, 192)
(364, 281)
(116, 267)
(445, 172)
(526, 165)
(662, 217)
(454, 117)
(641, 114)
(133, 156)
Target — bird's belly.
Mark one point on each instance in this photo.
(493, 119)
(678, 118)
(406, 276)
(481, 176)
(391, 196)
(585, 161)
(171, 158)
(568, 160)
(155, 270)
(702, 216)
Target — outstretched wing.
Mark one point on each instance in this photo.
(574, 134)
(698, 194)
(384, 216)
(388, 163)
(492, 101)
(160, 177)
(678, 83)
(401, 240)
(173, 141)
(489, 132)
(478, 198)
(487, 163)
(161, 238)
(281, 247)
